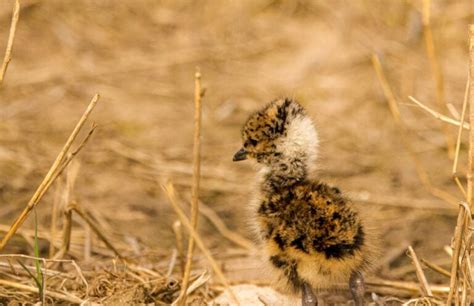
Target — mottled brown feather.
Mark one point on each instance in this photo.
(308, 230)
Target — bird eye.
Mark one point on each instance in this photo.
(253, 142)
(250, 142)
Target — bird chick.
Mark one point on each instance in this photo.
(311, 235)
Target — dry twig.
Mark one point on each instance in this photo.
(232, 236)
(172, 263)
(54, 216)
(71, 176)
(439, 116)
(201, 280)
(436, 72)
(66, 236)
(169, 189)
(458, 139)
(45, 270)
(408, 286)
(424, 286)
(436, 268)
(11, 38)
(59, 164)
(61, 296)
(470, 172)
(458, 233)
(178, 234)
(393, 105)
(195, 185)
(99, 232)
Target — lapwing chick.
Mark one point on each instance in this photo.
(310, 233)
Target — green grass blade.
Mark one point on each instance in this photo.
(29, 273)
(39, 273)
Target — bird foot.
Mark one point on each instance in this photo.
(357, 286)
(308, 298)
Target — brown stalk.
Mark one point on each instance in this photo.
(436, 268)
(439, 116)
(71, 176)
(178, 234)
(169, 189)
(201, 280)
(408, 286)
(453, 283)
(222, 228)
(11, 38)
(465, 269)
(471, 118)
(35, 258)
(71, 156)
(458, 139)
(51, 175)
(464, 293)
(99, 232)
(54, 216)
(453, 111)
(424, 286)
(143, 270)
(45, 260)
(464, 235)
(172, 263)
(393, 105)
(66, 239)
(12, 267)
(436, 72)
(195, 184)
(87, 242)
(65, 164)
(66, 231)
(67, 298)
(17, 269)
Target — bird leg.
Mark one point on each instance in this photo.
(308, 299)
(357, 286)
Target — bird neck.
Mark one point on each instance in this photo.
(283, 174)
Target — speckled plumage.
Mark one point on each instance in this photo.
(310, 232)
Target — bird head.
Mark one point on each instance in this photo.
(279, 134)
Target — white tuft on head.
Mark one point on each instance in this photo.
(301, 141)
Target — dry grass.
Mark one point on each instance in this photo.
(11, 38)
(107, 232)
(195, 188)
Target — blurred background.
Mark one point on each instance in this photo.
(141, 57)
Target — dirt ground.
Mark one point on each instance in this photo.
(140, 56)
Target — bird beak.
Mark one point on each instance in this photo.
(240, 155)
